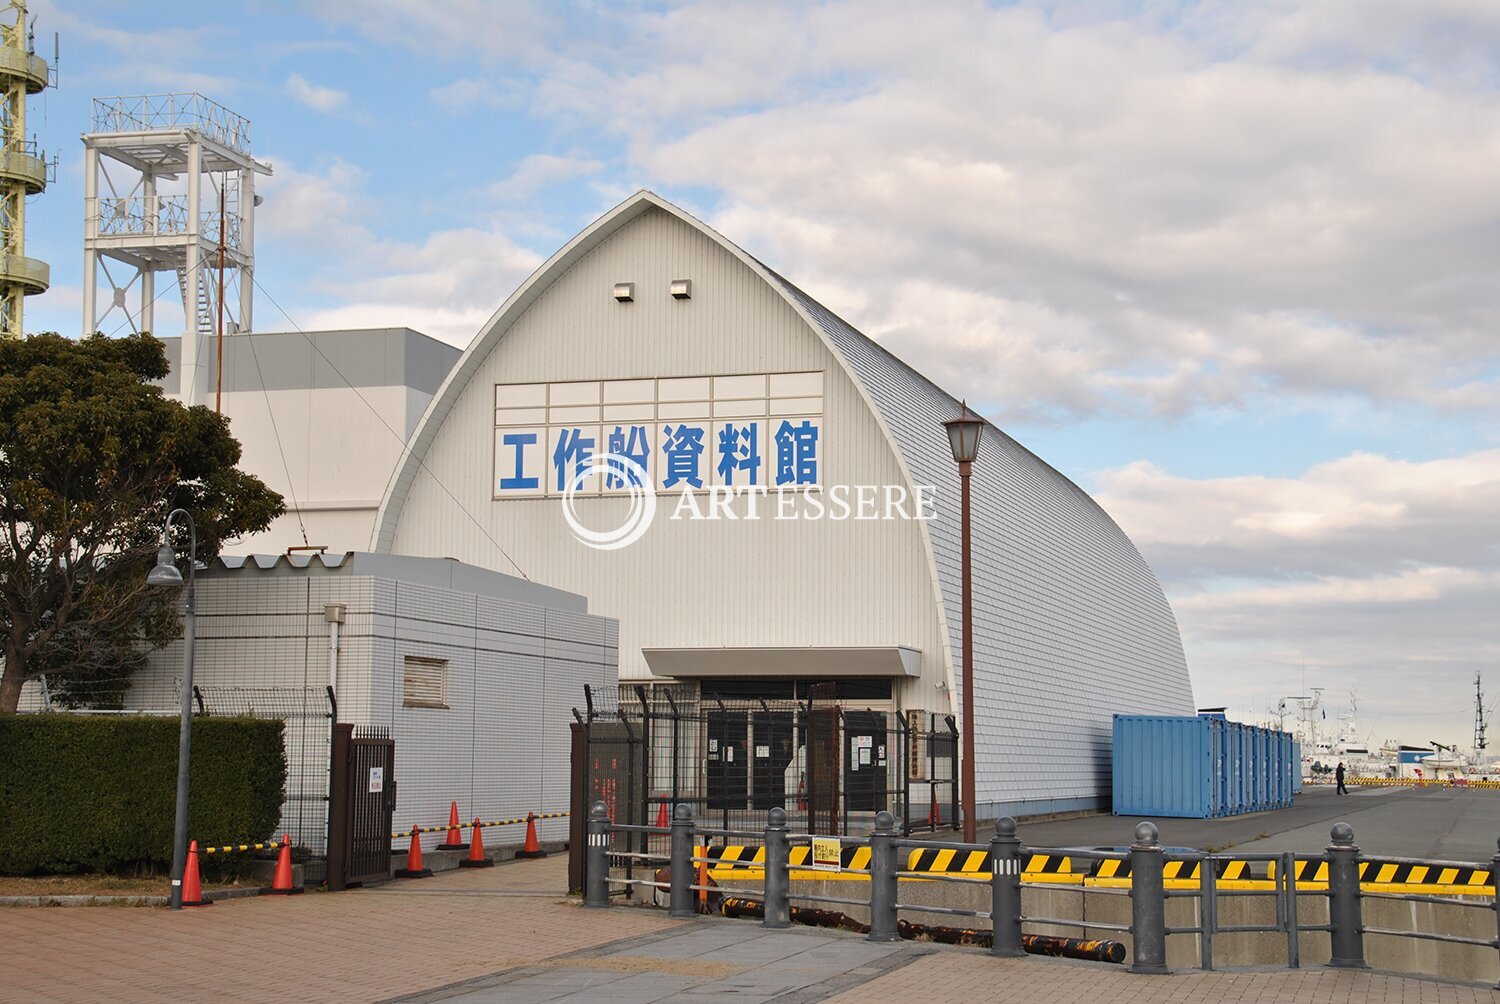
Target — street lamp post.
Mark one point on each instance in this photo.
(963, 437)
(166, 574)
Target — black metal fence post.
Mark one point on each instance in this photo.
(1005, 890)
(683, 827)
(1148, 906)
(1347, 926)
(778, 911)
(883, 879)
(596, 865)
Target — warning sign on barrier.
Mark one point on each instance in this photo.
(826, 854)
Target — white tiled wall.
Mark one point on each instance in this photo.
(515, 672)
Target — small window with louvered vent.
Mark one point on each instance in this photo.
(424, 683)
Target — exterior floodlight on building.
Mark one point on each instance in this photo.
(963, 436)
(166, 574)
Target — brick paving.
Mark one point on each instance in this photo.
(964, 976)
(508, 933)
(363, 945)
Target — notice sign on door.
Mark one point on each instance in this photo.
(825, 854)
(377, 780)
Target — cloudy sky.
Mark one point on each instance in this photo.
(1232, 266)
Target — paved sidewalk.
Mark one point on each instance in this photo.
(700, 961)
(362, 945)
(509, 934)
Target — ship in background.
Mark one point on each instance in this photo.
(1324, 748)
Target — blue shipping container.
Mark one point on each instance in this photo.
(1198, 767)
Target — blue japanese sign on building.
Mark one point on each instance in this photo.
(695, 433)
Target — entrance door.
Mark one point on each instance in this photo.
(728, 767)
(865, 760)
(771, 753)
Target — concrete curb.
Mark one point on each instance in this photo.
(82, 900)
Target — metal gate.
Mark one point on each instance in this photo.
(362, 799)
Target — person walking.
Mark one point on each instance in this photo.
(1338, 775)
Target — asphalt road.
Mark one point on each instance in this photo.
(1455, 824)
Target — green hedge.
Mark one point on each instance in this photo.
(95, 792)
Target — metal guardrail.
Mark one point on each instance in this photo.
(34, 274)
(33, 68)
(155, 112)
(1147, 861)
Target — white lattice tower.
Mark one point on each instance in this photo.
(169, 186)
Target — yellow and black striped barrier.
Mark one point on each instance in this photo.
(240, 848)
(743, 862)
(1418, 782)
(483, 823)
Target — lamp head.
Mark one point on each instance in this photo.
(165, 573)
(963, 435)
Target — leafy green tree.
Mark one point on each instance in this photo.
(92, 458)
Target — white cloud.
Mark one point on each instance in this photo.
(543, 170)
(1130, 212)
(1204, 218)
(1379, 575)
(317, 208)
(315, 96)
(446, 285)
(468, 94)
(494, 29)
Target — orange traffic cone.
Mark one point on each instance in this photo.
(935, 816)
(281, 885)
(663, 818)
(532, 849)
(476, 850)
(414, 867)
(192, 888)
(455, 841)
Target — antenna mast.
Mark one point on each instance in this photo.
(1479, 721)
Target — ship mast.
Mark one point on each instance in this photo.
(1479, 720)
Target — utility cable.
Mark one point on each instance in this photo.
(398, 436)
(276, 434)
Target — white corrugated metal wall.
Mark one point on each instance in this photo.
(763, 583)
(1070, 623)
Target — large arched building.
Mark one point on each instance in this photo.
(652, 336)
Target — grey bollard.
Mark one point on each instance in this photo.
(683, 872)
(883, 879)
(778, 911)
(1005, 889)
(1347, 926)
(596, 861)
(1148, 902)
